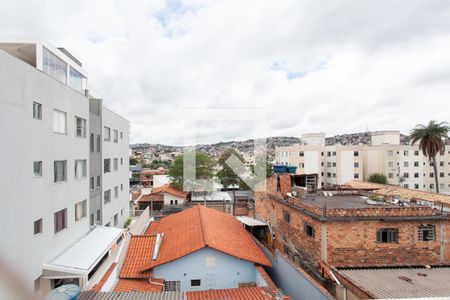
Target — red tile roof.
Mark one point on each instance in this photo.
(151, 198)
(135, 195)
(99, 285)
(152, 228)
(248, 293)
(141, 285)
(199, 227)
(167, 188)
(266, 278)
(139, 253)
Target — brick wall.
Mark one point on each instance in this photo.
(354, 243)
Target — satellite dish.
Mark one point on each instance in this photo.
(64, 292)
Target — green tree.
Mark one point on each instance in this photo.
(378, 178)
(228, 178)
(204, 165)
(431, 138)
(133, 161)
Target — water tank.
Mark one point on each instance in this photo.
(64, 292)
(279, 169)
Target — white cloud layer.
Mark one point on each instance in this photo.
(331, 66)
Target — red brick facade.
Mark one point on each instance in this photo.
(346, 237)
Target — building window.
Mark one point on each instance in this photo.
(99, 215)
(356, 176)
(416, 164)
(116, 164)
(286, 217)
(355, 153)
(405, 164)
(286, 249)
(116, 136)
(391, 164)
(431, 186)
(107, 196)
(99, 143)
(92, 219)
(116, 220)
(107, 134)
(426, 233)
(121, 187)
(309, 230)
(328, 174)
(37, 168)
(59, 121)
(196, 282)
(60, 220)
(80, 168)
(107, 165)
(171, 202)
(37, 111)
(406, 153)
(416, 175)
(301, 165)
(92, 183)
(441, 174)
(328, 153)
(116, 191)
(356, 165)
(390, 175)
(121, 135)
(387, 235)
(76, 80)
(406, 186)
(98, 181)
(301, 153)
(416, 186)
(334, 175)
(406, 175)
(91, 142)
(80, 125)
(390, 153)
(80, 210)
(329, 164)
(416, 153)
(334, 164)
(172, 286)
(176, 202)
(60, 170)
(431, 175)
(37, 226)
(121, 161)
(54, 66)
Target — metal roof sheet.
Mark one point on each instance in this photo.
(388, 283)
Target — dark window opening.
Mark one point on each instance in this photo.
(387, 235)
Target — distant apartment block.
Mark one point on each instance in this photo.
(54, 188)
(403, 165)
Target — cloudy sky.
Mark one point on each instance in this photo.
(306, 66)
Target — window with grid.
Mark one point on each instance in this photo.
(426, 233)
(60, 170)
(60, 220)
(172, 286)
(309, 230)
(196, 282)
(387, 235)
(80, 210)
(80, 127)
(37, 111)
(80, 168)
(59, 121)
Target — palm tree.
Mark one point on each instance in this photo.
(432, 141)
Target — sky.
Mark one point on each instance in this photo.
(213, 70)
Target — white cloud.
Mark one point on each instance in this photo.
(315, 65)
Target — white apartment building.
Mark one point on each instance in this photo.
(45, 168)
(402, 164)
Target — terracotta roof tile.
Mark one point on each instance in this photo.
(151, 198)
(266, 278)
(99, 285)
(167, 188)
(152, 228)
(141, 285)
(139, 253)
(199, 227)
(249, 293)
(393, 190)
(135, 195)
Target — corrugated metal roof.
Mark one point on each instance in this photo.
(394, 282)
(91, 295)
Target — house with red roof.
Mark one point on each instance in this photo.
(197, 249)
(165, 195)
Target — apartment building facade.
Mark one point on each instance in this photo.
(402, 164)
(46, 160)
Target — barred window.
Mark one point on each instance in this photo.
(426, 233)
(387, 235)
(172, 286)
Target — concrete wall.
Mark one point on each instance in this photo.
(168, 197)
(119, 177)
(293, 281)
(24, 140)
(95, 160)
(215, 269)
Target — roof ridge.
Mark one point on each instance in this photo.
(202, 225)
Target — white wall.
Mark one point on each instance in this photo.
(24, 140)
(120, 177)
(168, 197)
